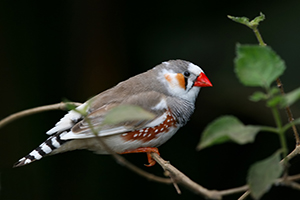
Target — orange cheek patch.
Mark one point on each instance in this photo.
(181, 81)
(168, 78)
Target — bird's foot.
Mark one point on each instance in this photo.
(147, 150)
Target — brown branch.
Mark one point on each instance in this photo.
(287, 179)
(291, 155)
(234, 190)
(175, 175)
(24, 113)
(289, 113)
(151, 177)
(63, 106)
(182, 179)
(121, 160)
(245, 195)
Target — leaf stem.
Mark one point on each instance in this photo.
(289, 113)
(280, 131)
(258, 36)
(279, 85)
(269, 129)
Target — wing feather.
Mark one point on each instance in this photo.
(150, 101)
(68, 120)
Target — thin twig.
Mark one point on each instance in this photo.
(175, 184)
(291, 184)
(244, 196)
(63, 106)
(234, 190)
(280, 86)
(291, 155)
(289, 113)
(122, 160)
(184, 180)
(293, 177)
(288, 178)
(24, 113)
(175, 174)
(132, 167)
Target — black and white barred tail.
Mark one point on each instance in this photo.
(52, 143)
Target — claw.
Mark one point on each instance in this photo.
(150, 160)
(147, 150)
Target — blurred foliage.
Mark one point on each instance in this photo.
(263, 173)
(256, 66)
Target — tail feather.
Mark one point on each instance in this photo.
(52, 143)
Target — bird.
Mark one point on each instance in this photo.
(168, 91)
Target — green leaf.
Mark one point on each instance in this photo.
(257, 66)
(274, 91)
(274, 101)
(257, 20)
(127, 113)
(68, 104)
(291, 97)
(262, 175)
(257, 96)
(227, 128)
(244, 20)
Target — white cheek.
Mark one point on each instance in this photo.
(174, 84)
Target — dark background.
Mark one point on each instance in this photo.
(52, 50)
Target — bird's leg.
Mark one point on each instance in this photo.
(147, 150)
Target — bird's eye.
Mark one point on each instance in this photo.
(186, 74)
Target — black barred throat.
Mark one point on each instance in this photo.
(44, 149)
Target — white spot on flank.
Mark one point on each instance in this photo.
(135, 135)
(168, 120)
(124, 134)
(156, 130)
(146, 130)
(149, 135)
(140, 134)
(161, 129)
(145, 134)
(141, 131)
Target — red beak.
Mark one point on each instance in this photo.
(202, 81)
